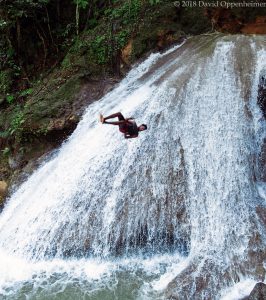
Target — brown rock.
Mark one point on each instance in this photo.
(63, 123)
(168, 38)
(258, 27)
(225, 20)
(16, 161)
(74, 119)
(3, 188)
(261, 212)
(262, 92)
(126, 53)
(258, 293)
(57, 124)
(4, 172)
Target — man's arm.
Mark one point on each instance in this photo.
(130, 121)
(114, 122)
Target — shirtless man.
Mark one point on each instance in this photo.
(127, 126)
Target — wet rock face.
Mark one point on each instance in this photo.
(256, 27)
(262, 92)
(48, 123)
(258, 293)
(262, 104)
(262, 162)
(245, 20)
(3, 191)
(3, 188)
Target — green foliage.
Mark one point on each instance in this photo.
(3, 24)
(78, 45)
(31, 33)
(122, 19)
(5, 81)
(39, 32)
(121, 38)
(10, 68)
(15, 67)
(99, 47)
(66, 31)
(6, 151)
(127, 11)
(7, 61)
(154, 2)
(91, 23)
(4, 134)
(26, 92)
(10, 99)
(66, 63)
(23, 8)
(16, 124)
(81, 3)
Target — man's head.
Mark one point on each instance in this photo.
(142, 127)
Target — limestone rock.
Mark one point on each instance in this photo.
(126, 53)
(258, 293)
(16, 161)
(256, 27)
(3, 188)
(262, 92)
(262, 104)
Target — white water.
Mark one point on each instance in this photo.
(179, 201)
(240, 290)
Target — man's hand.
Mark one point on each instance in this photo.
(128, 136)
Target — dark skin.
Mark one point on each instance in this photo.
(128, 136)
(123, 121)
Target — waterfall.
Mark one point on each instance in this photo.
(169, 214)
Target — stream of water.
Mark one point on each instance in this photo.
(172, 213)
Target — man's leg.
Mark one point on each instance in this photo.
(116, 115)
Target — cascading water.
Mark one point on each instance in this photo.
(170, 214)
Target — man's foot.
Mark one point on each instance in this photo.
(101, 118)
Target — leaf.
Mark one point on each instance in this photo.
(6, 151)
(10, 98)
(26, 92)
(4, 134)
(81, 3)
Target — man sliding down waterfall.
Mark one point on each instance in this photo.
(127, 126)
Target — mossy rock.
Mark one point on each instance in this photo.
(53, 103)
(158, 20)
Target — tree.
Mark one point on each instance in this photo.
(79, 4)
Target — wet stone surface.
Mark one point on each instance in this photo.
(258, 293)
